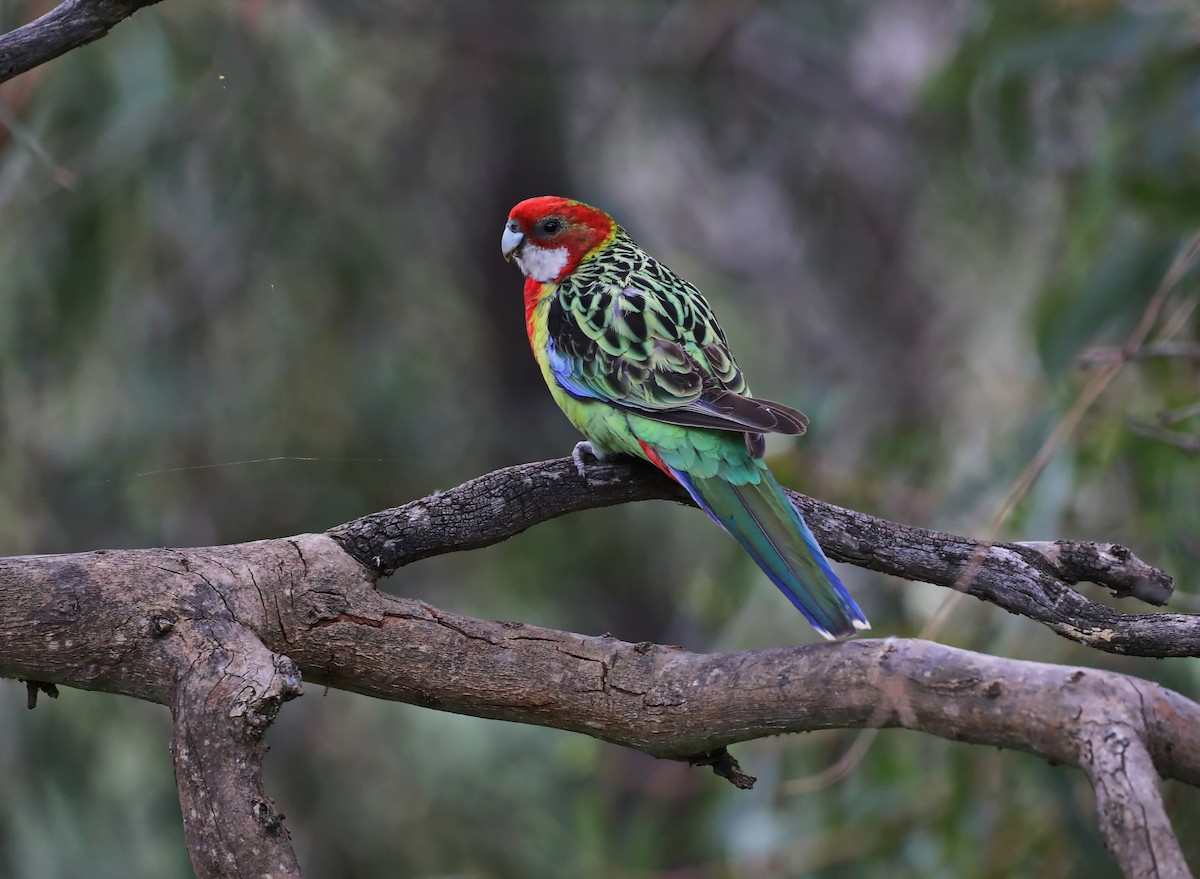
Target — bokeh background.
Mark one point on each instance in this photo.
(242, 230)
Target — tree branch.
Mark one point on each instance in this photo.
(1133, 822)
(1034, 580)
(305, 593)
(1188, 443)
(71, 24)
(1094, 358)
(167, 627)
(223, 705)
(219, 634)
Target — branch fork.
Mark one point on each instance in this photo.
(224, 634)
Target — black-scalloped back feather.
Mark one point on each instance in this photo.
(627, 330)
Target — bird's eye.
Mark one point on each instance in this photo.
(551, 226)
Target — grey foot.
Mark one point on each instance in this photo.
(582, 450)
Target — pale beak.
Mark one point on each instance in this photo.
(512, 238)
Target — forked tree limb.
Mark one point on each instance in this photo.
(222, 634)
(71, 24)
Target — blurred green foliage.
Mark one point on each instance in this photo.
(247, 230)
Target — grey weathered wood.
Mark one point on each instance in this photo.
(71, 24)
(1034, 580)
(219, 633)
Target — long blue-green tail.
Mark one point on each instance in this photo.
(770, 528)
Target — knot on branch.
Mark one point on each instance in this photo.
(267, 816)
(32, 688)
(724, 765)
(260, 709)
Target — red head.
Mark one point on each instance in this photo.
(549, 236)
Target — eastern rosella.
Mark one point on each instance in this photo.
(634, 357)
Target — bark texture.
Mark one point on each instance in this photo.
(68, 26)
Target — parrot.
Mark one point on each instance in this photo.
(632, 354)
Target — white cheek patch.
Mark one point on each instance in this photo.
(542, 264)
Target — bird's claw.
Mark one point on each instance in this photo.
(582, 450)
